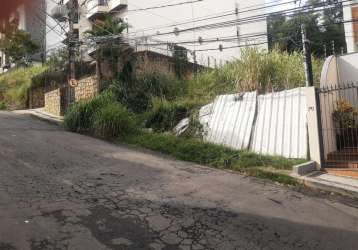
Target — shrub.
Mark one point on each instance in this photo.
(165, 115)
(79, 117)
(114, 120)
(2, 106)
(138, 93)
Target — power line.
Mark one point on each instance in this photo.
(253, 19)
(219, 15)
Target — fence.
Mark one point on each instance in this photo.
(339, 119)
(272, 124)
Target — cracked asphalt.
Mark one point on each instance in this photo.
(60, 190)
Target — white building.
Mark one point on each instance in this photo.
(350, 13)
(213, 31)
(30, 17)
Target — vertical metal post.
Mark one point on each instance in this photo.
(237, 22)
(307, 55)
(333, 47)
(71, 50)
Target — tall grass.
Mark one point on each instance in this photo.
(15, 84)
(255, 70)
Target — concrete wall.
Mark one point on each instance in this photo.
(340, 70)
(352, 45)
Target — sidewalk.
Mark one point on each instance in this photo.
(42, 115)
(331, 183)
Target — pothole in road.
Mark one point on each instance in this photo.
(118, 232)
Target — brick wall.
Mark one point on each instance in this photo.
(53, 101)
(86, 89)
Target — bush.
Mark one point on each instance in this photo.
(165, 115)
(79, 117)
(138, 93)
(114, 120)
(2, 106)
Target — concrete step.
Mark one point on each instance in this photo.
(341, 164)
(346, 172)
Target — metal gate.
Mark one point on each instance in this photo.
(339, 125)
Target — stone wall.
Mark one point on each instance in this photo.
(37, 98)
(55, 99)
(87, 88)
(53, 102)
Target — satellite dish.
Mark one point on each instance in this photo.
(60, 13)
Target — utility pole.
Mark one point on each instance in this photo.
(307, 57)
(72, 47)
(237, 22)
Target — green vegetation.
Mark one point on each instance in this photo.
(255, 70)
(165, 115)
(217, 156)
(138, 91)
(3, 106)
(323, 28)
(15, 84)
(18, 45)
(80, 116)
(152, 101)
(113, 121)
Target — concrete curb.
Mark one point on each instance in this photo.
(49, 120)
(42, 116)
(305, 168)
(328, 186)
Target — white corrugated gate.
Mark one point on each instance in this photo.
(281, 124)
(271, 124)
(230, 120)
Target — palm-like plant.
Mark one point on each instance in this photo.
(107, 35)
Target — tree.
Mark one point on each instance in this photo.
(106, 35)
(180, 56)
(322, 27)
(58, 59)
(18, 46)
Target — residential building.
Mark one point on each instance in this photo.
(350, 12)
(31, 17)
(212, 32)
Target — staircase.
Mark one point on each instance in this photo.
(343, 163)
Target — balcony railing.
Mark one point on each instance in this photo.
(96, 8)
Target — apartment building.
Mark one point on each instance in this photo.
(213, 32)
(30, 17)
(350, 12)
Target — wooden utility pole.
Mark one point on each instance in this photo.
(307, 57)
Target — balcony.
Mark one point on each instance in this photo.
(117, 5)
(96, 8)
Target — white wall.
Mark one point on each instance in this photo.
(142, 23)
(348, 28)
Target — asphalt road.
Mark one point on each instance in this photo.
(60, 190)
